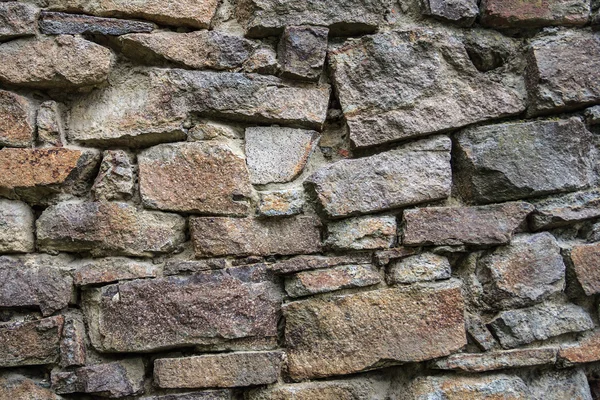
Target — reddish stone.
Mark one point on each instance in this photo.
(586, 263)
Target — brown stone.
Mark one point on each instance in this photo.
(17, 122)
(418, 268)
(72, 345)
(347, 389)
(586, 264)
(362, 233)
(494, 360)
(16, 387)
(57, 23)
(302, 51)
(30, 343)
(328, 280)
(115, 180)
(16, 227)
(194, 177)
(226, 370)
(50, 124)
(281, 203)
(111, 269)
(17, 19)
(351, 333)
(383, 257)
(518, 14)
(475, 387)
(586, 350)
(222, 394)
(305, 263)
(176, 267)
(565, 209)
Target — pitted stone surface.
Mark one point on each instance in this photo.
(17, 123)
(30, 343)
(16, 227)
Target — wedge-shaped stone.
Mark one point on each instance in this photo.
(511, 161)
(562, 72)
(306, 263)
(357, 332)
(494, 360)
(328, 280)
(17, 19)
(412, 174)
(30, 343)
(566, 209)
(18, 387)
(362, 233)
(57, 23)
(587, 349)
(16, 227)
(108, 229)
(425, 83)
(17, 123)
(226, 370)
(220, 236)
(205, 308)
(517, 14)
(111, 269)
(505, 387)
(193, 13)
(585, 260)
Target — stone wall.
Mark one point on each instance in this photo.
(303, 200)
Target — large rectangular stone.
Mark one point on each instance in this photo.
(57, 23)
(30, 343)
(518, 14)
(357, 332)
(306, 263)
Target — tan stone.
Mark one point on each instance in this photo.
(362, 233)
(17, 19)
(30, 343)
(16, 120)
(476, 387)
(587, 349)
(16, 387)
(16, 227)
(328, 280)
(305, 263)
(586, 264)
(518, 14)
(494, 360)
(111, 269)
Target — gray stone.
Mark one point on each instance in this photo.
(50, 124)
(562, 73)
(347, 389)
(281, 203)
(115, 180)
(302, 51)
(418, 268)
(18, 387)
(17, 124)
(16, 227)
(511, 161)
(329, 280)
(222, 394)
(569, 384)
(584, 262)
(514, 328)
(306, 263)
(30, 343)
(460, 12)
(592, 115)
(111, 269)
(278, 155)
(362, 233)
(566, 209)
(479, 333)
(517, 14)
(176, 267)
(498, 386)
(403, 84)
(412, 174)
(384, 257)
(494, 360)
(263, 61)
(72, 344)
(17, 19)
(57, 23)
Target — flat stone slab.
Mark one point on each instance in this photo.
(362, 233)
(501, 386)
(516, 14)
(566, 209)
(495, 360)
(307, 283)
(30, 343)
(57, 23)
(18, 19)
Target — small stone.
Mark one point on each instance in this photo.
(587, 349)
(419, 268)
(226, 370)
(460, 12)
(516, 14)
(30, 343)
(479, 332)
(356, 332)
(566, 209)
(108, 229)
(585, 260)
(488, 387)
(17, 387)
(514, 328)
(302, 51)
(411, 174)
(510, 161)
(50, 125)
(384, 257)
(219, 236)
(347, 389)
(223, 394)
(111, 269)
(207, 130)
(16, 227)
(278, 155)
(57, 23)
(17, 123)
(113, 380)
(263, 61)
(72, 344)
(479, 225)
(306, 263)
(115, 179)
(592, 115)
(329, 280)
(281, 203)
(17, 19)
(362, 233)
(494, 360)
(550, 384)
(176, 267)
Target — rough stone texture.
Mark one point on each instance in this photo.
(562, 71)
(115, 180)
(362, 233)
(72, 346)
(516, 14)
(112, 380)
(510, 161)
(306, 263)
(17, 387)
(278, 154)
(16, 227)
(197, 50)
(16, 20)
(57, 23)
(412, 174)
(108, 229)
(192, 13)
(566, 209)
(220, 236)
(505, 359)
(50, 125)
(348, 389)
(226, 370)
(460, 12)
(479, 333)
(418, 268)
(30, 343)
(69, 62)
(263, 61)
(175, 267)
(111, 269)
(17, 124)
(517, 327)
(281, 203)
(490, 387)
(352, 333)
(223, 394)
(35, 280)
(587, 349)
(558, 385)
(384, 257)
(302, 51)
(585, 260)
(425, 83)
(328, 280)
(182, 176)
(154, 314)
(345, 17)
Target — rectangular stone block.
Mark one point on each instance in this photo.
(494, 360)
(17, 125)
(17, 19)
(566, 209)
(16, 227)
(305, 263)
(587, 349)
(30, 343)
(111, 269)
(484, 387)
(57, 23)
(517, 14)
(18, 387)
(222, 394)
(328, 280)
(362, 233)
(418, 268)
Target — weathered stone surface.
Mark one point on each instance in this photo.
(418, 268)
(113, 380)
(111, 269)
(222, 394)
(108, 229)
(566, 209)
(115, 180)
(226, 370)
(193, 13)
(558, 385)
(562, 71)
(592, 115)
(399, 85)
(278, 154)
(263, 61)
(197, 177)
(176, 267)
(328, 280)
(587, 349)
(460, 12)
(516, 14)
(57, 23)
(302, 51)
(219, 236)
(50, 125)
(514, 328)
(362, 233)
(490, 387)
(69, 62)
(18, 387)
(16, 20)
(281, 203)
(205, 308)
(73, 337)
(411, 174)
(348, 389)
(30, 343)
(306, 263)
(384, 257)
(345, 17)
(17, 122)
(35, 280)
(494, 360)
(198, 50)
(510, 161)
(479, 333)
(16, 227)
(352, 333)
(585, 260)
(525, 272)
